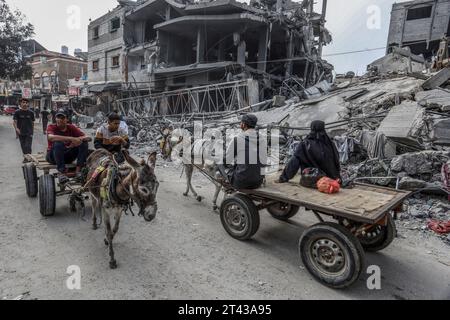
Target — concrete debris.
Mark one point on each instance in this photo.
(437, 80)
(404, 123)
(407, 183)
(434, 99)
(420, 164)
(441, 132)
(400, 61)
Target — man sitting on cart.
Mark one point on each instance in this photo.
(113, 136)
(244, 151)
(66, 143)
(316, 151)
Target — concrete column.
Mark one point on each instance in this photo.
(253, 91)
(322, 25)
(168, 9)
(242, 48)
(290, 54)
(262, 48)
(200, 45)
(221, 49)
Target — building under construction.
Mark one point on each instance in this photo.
(168, 56)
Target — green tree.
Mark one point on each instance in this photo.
(13, 31)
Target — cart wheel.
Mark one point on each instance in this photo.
(47, 195)
(380, 237)
(31, 180)
(239, 217)
(332, 255)
(283, 211)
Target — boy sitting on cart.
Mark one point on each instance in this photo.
(66, 143)
(113, 137)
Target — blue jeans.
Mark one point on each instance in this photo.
(61, 155)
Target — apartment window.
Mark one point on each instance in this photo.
(37, 80)
(115, 24)
(53, 77)
(96, 32)
(115, 61)
(419, 13)
(95, 65)
(45, 80)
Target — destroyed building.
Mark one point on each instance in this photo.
(419, 25)
(191, 52)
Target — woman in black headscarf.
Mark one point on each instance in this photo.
(316, 151)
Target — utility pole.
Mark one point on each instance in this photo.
(322, 26)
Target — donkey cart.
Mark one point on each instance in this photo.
(46, 186)
(360, 218)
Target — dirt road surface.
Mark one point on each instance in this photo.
(185, 253)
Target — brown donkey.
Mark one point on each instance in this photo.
(135, 182)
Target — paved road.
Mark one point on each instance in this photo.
(184, 253)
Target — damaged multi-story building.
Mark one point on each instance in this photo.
(420, 25)
(206, 51)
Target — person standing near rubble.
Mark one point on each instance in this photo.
(316, 151)
(112, 137)
(24, 126)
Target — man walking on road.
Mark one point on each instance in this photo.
(45, 115)
(24, 126)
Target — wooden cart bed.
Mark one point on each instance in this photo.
(41, 163)
(363, 203)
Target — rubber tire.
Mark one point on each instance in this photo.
(47, 195)
(386, 237)
(249, 209)
(31, 180)
(288, 214)
(353, 252)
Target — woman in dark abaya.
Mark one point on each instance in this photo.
(316, 151)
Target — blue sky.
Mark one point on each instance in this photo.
(347, 21)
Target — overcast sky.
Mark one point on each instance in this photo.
(355, 25)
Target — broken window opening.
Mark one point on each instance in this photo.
(95, 64)
(419, 13)
(96, 33)
(150, 33)
(115, 24)
(143, 65)
(115, 61)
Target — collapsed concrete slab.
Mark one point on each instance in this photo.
(437, 80)
(403, 123)
(421, 163)
(441, 132)
(437, 98)
(399, 61)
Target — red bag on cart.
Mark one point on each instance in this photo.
(329, 186)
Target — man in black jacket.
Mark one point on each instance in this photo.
(247, 152)
(316, 151)
(24, 126)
